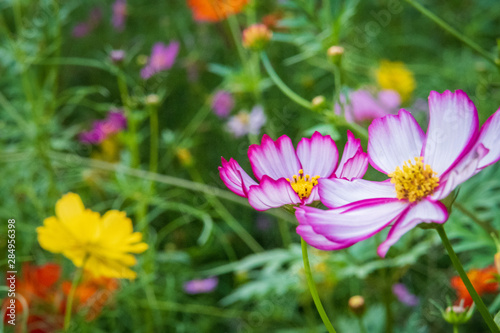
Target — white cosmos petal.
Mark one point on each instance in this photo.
(340, 192)
(452, 131)
(425, 211)
(394, 140)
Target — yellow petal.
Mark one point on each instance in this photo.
(116, 225)
(69, 206)
(53, 237)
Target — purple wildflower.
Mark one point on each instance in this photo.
(119, 14)
(222, 103)
(403, 295)
(247, 123)
(82, 29)
(102, 129)
(162, 58)
(201, 286)
(364, 106)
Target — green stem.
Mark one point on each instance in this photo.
(153, 146)
(71, 295)
(313, 290)
(458, 266)
(455, 328)
(281, 85)
(362, 328)
(338, 86)
(285, 234)
(452, 31)
(236, 34)
(132, 125)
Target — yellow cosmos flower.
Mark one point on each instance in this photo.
(102, 244)
(396, 76)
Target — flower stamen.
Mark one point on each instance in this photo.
(303, 185)
(415, 181)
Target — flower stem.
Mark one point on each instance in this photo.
(285, 235)
(131, 122)
(453, 31)
(71, 296)
(281, 85)
(455, 328)
(153, 146)
(458, 266)
(362, 328)
(313, 290)
(236, 34)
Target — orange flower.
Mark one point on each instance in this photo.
(215, 10)
(92, 293)
(36, 288)
(37, 283)
(483, 280)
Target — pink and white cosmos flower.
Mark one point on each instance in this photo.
(289, 177)
(422, 169)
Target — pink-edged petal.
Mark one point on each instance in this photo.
(485, 152)
(452, 131)
(355, 222)
(274, 159)
(354, 162)
(272, 193)
(319, 241)
(466, 168)
(489, 137)
(339, 192)
(235, 178)
(394, 140)
(318, 155)
(425, 211)
(314, 239)
(355, 167)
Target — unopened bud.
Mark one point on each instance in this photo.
(357, 305)
(318, 102)
(256, 37)
(458, 314)
(152, 99)
(117, 56)
(335, 53)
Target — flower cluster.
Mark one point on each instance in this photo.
(40, 289)
(422, 169)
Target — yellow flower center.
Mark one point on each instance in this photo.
(243, 117)
(303, 185)
(415, 181)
